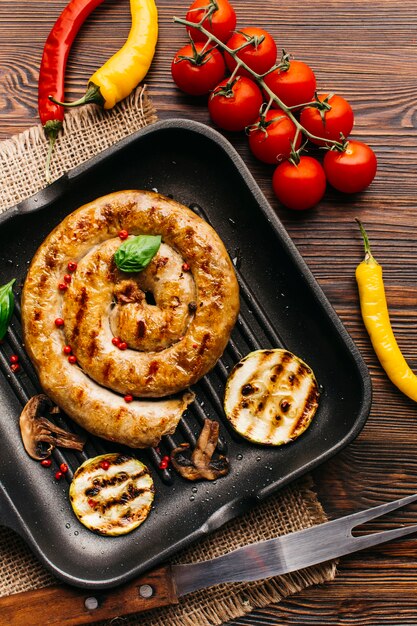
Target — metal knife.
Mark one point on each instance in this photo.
(165, 585)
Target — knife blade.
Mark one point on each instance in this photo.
(165, 585)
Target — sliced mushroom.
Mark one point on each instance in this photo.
(39, 435)
(199, 464)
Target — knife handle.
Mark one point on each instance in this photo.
(62, 605)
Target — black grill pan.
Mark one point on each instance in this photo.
(281, 306)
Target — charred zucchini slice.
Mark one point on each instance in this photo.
(112, 494)
(271, 397)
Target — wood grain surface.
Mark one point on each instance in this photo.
(367, 52)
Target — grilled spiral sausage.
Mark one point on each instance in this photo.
(175, 316)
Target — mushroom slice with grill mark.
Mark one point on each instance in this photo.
(39, 435)
(200, 463)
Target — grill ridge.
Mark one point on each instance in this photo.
(242, 341)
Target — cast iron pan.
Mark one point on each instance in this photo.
(281, 306)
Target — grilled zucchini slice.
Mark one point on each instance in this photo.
(271, 397)
(112, 494)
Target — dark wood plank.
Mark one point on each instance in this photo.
(366, 52)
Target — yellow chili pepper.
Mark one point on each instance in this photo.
(377, 322)
(117, 78)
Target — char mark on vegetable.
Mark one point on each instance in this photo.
(101, 482)
(307, 411)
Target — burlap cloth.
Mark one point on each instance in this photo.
(87, 132)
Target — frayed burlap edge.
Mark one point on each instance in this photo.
(86, 132)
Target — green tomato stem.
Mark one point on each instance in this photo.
(366, 244)
(258, 77)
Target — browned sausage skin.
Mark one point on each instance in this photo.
(172, 342)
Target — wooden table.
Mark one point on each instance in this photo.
(367, 52)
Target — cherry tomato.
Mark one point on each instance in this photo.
(221, 23)
(352, 170)
(300, 186)
(197, 72)
(328, 123)
(233, 106)
(271, 138)
(260, 56)
(295, 85)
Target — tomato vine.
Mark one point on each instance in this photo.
(276, 103)
(273, 98)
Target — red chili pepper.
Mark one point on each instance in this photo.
(53, 64)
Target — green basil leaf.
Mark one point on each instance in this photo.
(6, 306)
(136, 254)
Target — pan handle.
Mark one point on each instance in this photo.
(42, 198)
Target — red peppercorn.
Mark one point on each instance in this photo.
(62, 286)
(163, 464)
(72, 359)
(59, 322)
(104, 465)
(185, 267)
(122, 345)
(116, 341)
(67, 278)
(58, 475)
(64, 468)
(92, 503)
(166, 458)
(46, 463)
(67, 350)
(14, 358)
(123, 234)
(129, 398)
(72, 266)
(195, 346)
(15, 367)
